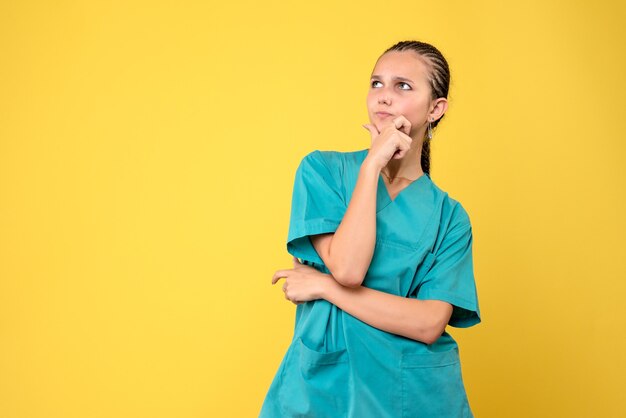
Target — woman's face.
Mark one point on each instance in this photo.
(399, 86)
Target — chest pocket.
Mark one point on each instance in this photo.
(423, 268)
(392, 268)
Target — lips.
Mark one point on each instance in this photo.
(383, 114)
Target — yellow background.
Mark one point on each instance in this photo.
(147, 157)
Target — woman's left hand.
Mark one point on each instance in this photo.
(302, 283)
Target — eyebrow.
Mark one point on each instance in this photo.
(394, 78)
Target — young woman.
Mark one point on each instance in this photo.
(386, 264)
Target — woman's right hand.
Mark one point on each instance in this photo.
(390, 142)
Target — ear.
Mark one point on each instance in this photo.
(438, 108)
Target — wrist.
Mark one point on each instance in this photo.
(327, 286)
(370, 165)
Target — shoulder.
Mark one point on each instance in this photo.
(452, 223)
(458, 214)
(334, 161)
(453, 214)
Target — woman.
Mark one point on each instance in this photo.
(386, 263)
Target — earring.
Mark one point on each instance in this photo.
(430, 131)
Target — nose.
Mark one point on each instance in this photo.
(384, 99)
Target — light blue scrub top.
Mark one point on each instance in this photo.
(338, 366)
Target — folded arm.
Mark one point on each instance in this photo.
(348, 251)
(421, 320)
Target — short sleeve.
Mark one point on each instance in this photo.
(451, 277)
(317, 204)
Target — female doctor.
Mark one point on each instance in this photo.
(386, 263)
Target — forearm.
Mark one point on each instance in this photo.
(411, 318)
(352, 246)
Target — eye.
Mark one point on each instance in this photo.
(406, 85)
(375, 81)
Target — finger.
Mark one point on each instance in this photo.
(403, 124)
(399, 154)
(280, 274)
(372, 130)
(403, 146)
(400, 121)
(405, 139)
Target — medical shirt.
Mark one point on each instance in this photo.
(339, 366)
